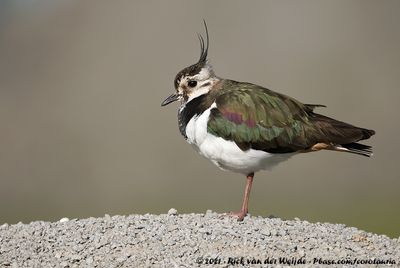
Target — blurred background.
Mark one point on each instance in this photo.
(83, 134)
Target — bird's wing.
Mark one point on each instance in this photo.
(258, 118)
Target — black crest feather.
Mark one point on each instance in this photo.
(196, 68)
(203, 45)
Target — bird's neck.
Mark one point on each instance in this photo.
(196, 106)
(190, 109)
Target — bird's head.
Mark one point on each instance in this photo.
(195, 80)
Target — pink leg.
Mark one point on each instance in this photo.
(245, 205)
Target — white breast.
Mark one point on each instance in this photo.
(226, 154)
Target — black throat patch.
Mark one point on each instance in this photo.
(193, 108)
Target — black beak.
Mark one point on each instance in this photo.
(171, 98)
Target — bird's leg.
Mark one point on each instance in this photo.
(245, 205)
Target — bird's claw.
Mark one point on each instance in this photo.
(240, 215)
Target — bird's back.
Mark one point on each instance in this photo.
(258, 118)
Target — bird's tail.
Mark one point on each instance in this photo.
(343, 136)
(355, 148)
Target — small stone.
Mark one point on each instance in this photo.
(64, 220)
(172, 211)
(265, 233)
(76, 257)
(89, 260)
(121, 259)
(209, 212)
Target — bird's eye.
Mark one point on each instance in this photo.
(192, 83)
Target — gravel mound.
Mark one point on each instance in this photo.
(192, 240)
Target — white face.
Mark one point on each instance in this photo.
(191, 87)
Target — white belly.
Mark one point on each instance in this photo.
(226, 154)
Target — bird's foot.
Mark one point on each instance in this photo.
(240, 215)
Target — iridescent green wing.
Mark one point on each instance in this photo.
(258, 118)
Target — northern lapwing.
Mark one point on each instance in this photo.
(245, 128)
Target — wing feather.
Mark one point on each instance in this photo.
(258, 118)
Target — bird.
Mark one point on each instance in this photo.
(245, 128)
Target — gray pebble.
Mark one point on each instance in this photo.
(89, 260)
(64, 220)
(172, 211)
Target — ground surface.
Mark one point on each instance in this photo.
(173, 240)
